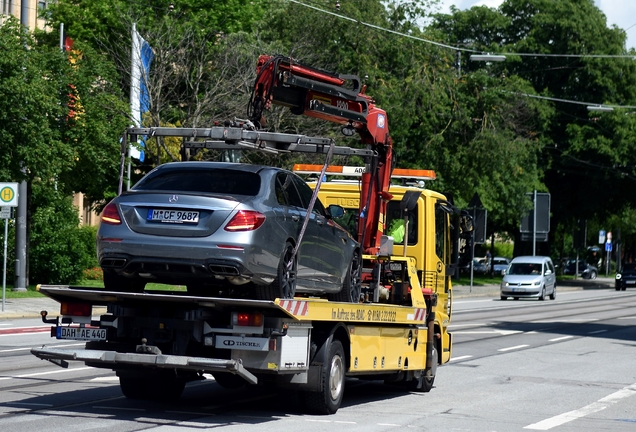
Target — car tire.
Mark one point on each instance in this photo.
(114, 282)
(553, 294)
(592, 275)
(542, 296)
(284, 286)
(504, 298)
(332, 383)
(351, 288)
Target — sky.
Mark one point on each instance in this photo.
(619, 12)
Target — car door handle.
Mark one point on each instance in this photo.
(320, 222)
(295, 218)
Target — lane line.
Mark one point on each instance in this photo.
(592, 408)
(499, 332)
(51, 346)
(460, 358)
(45, 373)
(573, 320)
(512, 348)
(560, 338)
(597, 331)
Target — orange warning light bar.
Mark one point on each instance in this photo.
(352, 171)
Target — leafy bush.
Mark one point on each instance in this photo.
(59, 249)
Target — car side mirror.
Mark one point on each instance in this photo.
(335, 211)
(548, 272)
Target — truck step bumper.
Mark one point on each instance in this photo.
(108, 358)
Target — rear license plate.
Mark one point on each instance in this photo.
(173, 216)
(81, 333)
(630, 282)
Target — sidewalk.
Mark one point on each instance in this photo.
(30, 307)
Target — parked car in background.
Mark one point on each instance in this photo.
(479, 267)
(226, 229)
(626, 278)
(585, 270)
(500, 265)
(529, 277)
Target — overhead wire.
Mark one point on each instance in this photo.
(455, 48)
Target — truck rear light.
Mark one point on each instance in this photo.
(245, 220)
(110, 215)
(76, 309)
(248, 319)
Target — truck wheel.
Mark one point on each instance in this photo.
(351, 288)
(134, 388)
(114, 282)
(424, 383)
(159, 387)
(229, 381)
(328, 400)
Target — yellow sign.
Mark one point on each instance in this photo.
(8, 194)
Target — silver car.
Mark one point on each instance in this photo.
(226, 229)
(529, 277)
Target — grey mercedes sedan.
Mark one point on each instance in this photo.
(227, 229)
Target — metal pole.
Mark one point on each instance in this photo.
(534, 223)
(21, 219)
(4, 272)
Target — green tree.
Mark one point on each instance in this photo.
(584, 157)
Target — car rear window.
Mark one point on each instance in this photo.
(214, 181)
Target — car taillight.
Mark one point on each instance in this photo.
(110, 215)
(245, 220)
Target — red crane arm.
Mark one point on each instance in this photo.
(340, 99)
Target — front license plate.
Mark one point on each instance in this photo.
(81, 333)
(630, 282)
(173, 216)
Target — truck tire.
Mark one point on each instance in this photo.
(329, 398)
(351, 288)
(157, 387)
(284, 286)
(229, 381)
(114, 282)
(424, 383)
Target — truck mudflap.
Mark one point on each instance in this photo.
(109, 359)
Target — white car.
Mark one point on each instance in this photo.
(529, 277)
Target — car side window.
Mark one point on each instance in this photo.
(550, 266)
(286, 192)
(306, 193)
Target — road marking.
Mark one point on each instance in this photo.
(106, 378)
(45, 373)
(118, 408)
(597, 332)
(574, 320)
(29, 348)
(468, 325)
(461, 358)
(592, 408)
(512, 348)
(499, 332)
(627, 318)
(30, 404)
(560, 338)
